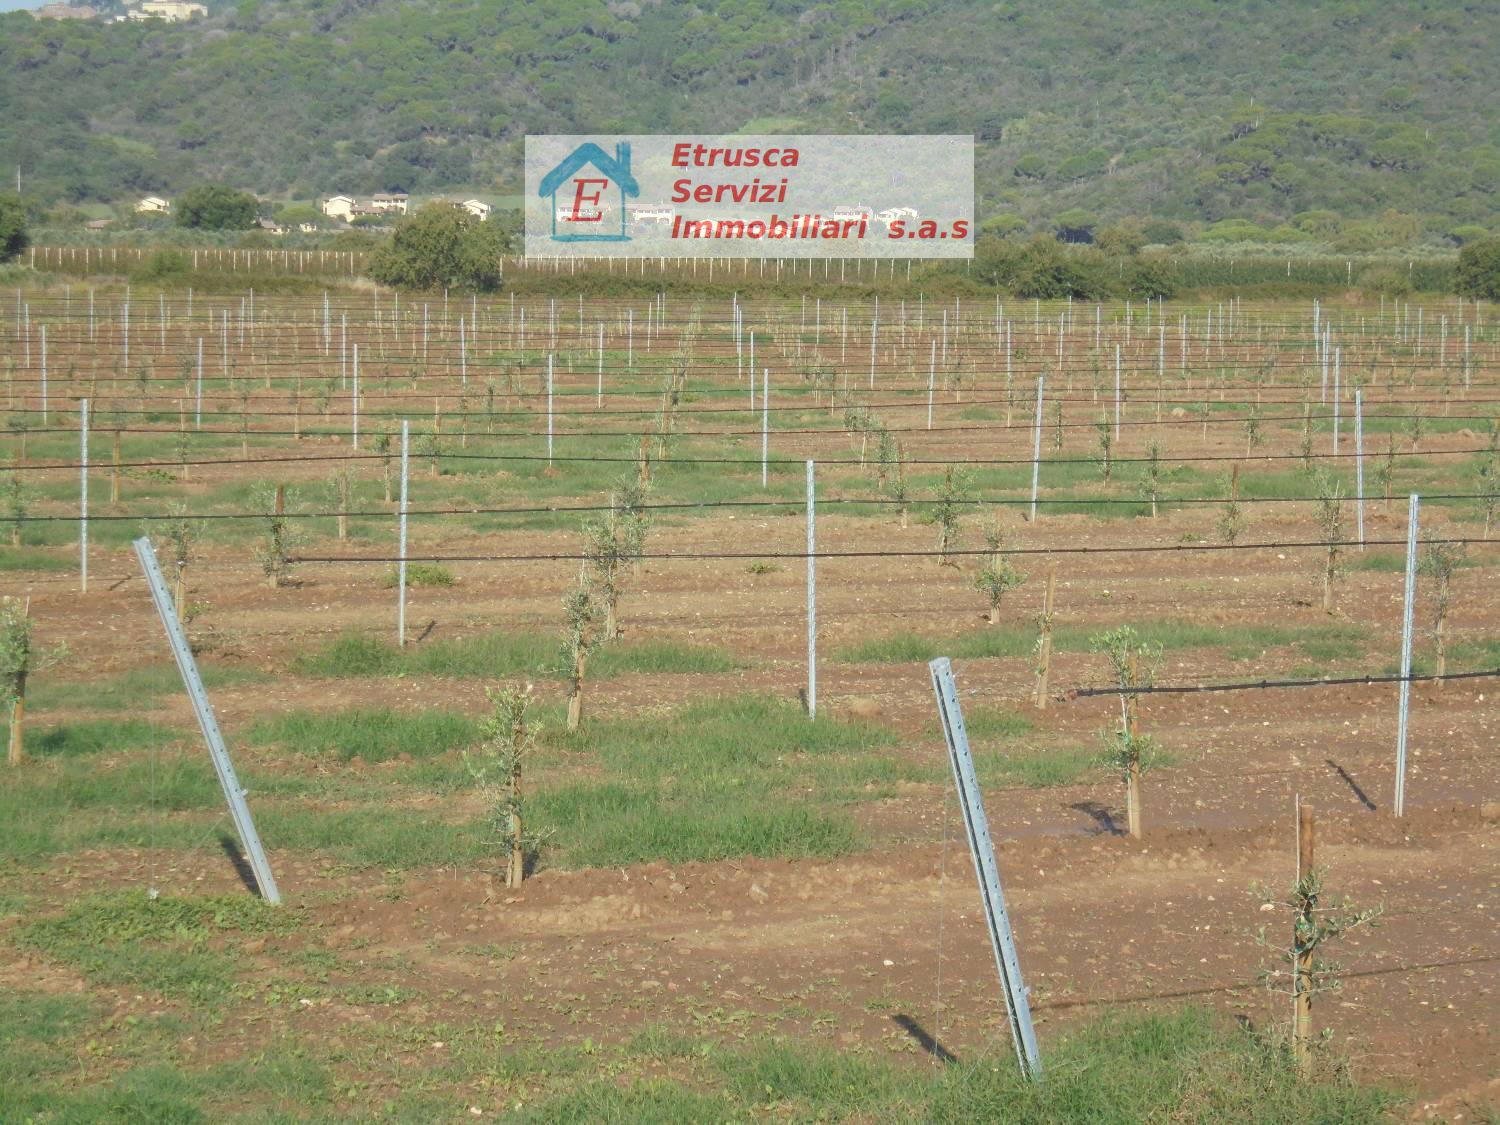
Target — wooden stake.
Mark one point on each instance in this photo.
(517, 872)
(16, 754)
(1044, 661)
(1302, 980)
(114, 476)
(1133, 771)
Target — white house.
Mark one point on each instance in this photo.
(338, 207)
(173, 11)
(652, 213)
(389, 203)
(478, 208)
(154, 204)
(898, 214)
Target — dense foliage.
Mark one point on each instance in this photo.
(441, 246)
(13, 237)
(1351, 122)
(216, 207)
(1479, 269)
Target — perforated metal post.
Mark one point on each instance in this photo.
(83, 496)
(812, 595)
(982, 849)
(1036, 445)
(239, 811)
(1406, 631)
(1359, 465)
(401, 549)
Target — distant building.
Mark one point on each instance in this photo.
(64, 12)
(98, 224)
(308, 228)
(339, 207)
(476, 207)
(389, 203)
(173, 11)
(651, 212)
(898, 214)
(154, 205)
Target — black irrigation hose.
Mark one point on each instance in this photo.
(1263, 685)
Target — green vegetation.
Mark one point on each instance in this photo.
(372, 735)
(712, 781)
(441, 246)
(1479, 269)
(215, 207)
(501, 655)
(13, 237)
(1200, 135)
(1243, 642)
(1184, 1065)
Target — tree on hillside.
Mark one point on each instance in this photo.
(216, 207)
(13, 237)
(1479, 269)
(442, 246)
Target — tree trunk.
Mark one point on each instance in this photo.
(18, 722)
(178, 589)
(517, 870)
(575, 696)
(1441, 646)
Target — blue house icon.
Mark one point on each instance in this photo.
(580, 215)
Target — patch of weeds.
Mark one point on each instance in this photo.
(97, 736)
(717, 779)
(1037, 768)
(374, 735)
(529, 653)
(418, 574)
(174, 946)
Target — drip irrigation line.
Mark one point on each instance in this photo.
(988, 427)
(709, 556)
(703, 505)
(748, 463)
(1264, 685)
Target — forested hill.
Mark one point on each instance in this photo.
(1185, 109)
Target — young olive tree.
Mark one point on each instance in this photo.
(508, 735)
(1330, 517)
(1489, 478)
(947, 511)
(17, 505)
(181, 536)
(612, 544)
(1133, 663)
(19, 660)
(581, 616)
(273, 552)
(1439, 560)
(997, 575)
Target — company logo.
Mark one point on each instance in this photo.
(587, 192)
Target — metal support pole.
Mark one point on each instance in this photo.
(1117, 392)
(549, 410)
(812, 596)
(1036, 445)
(765, 425)
(1406, 631)
(233, 794)
(354, 400)
(198, 397)
(83, 496)
(931, 380)
(986, 869)
(1359, 464)
(401, 549)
